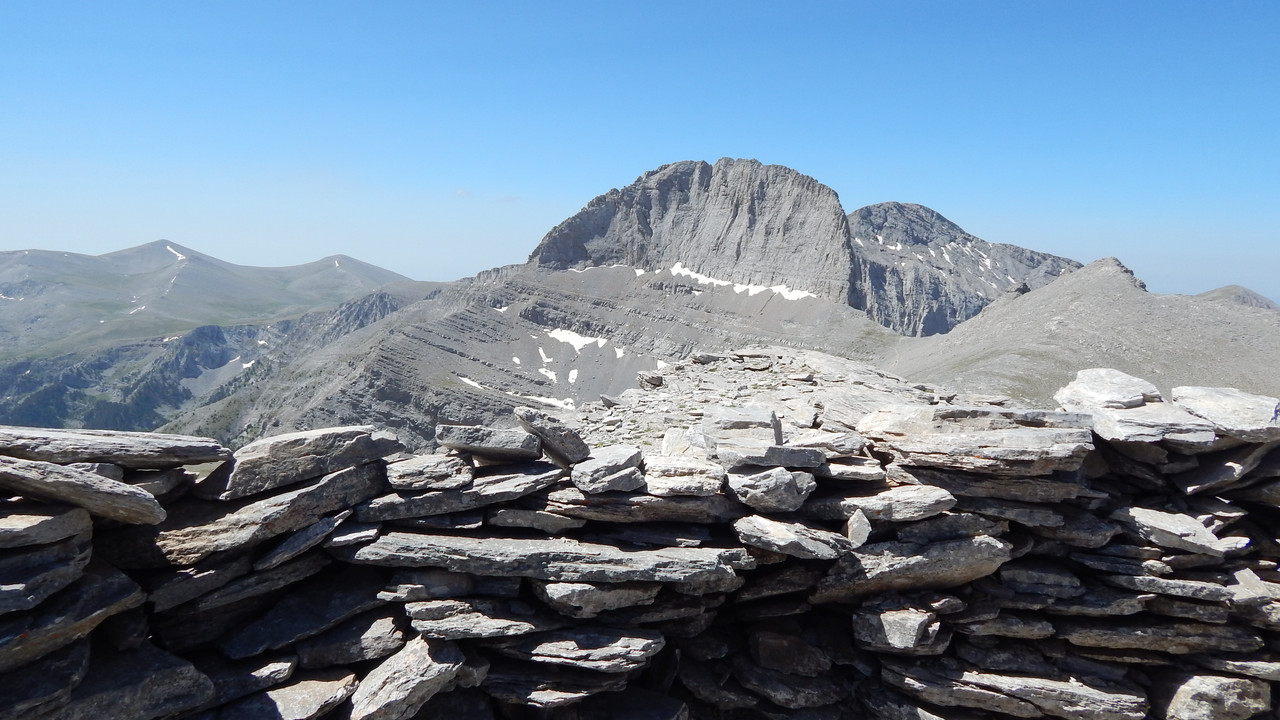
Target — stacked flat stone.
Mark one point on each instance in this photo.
(1112, 559)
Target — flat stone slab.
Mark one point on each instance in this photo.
(309, 609)
(197, 530)
(608, 650)
(517, 481)
(23, 588)
(429, 472)
(67, 616)
(898, 566)
(365, 637)
(542, 685)
(145, 682)
(668, 475)
(1178, 638)
(46, 681)
(128, 449)
(288, 459)
(775, 490)
(305, 697)
(1171, 530)
(559, 559)
(1106, 388)
(23, 523)
(234, 679)
(605, 470)
(906, 503)
(586, 600)
(100, 496)
(400, 685)
(1234, 413)
(466, 618)
(620, 507)
(794, 539)
(981, 439)
(561, 443)
(495, 443)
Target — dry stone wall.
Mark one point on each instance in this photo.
(1116, 559)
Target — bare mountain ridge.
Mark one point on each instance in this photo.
(57, 302)
(908, 267)
(1099, 316)
(693, 258)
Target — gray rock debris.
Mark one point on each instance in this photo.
(515, 481)
(429, 472)
(668, 475)
(24, 523)
(601, 649)
(587, 600)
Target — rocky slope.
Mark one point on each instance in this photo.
(800, 536)
(1101, 315)
(918, 273)
(55, 302)
(745, 223)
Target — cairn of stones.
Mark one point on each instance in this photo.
(1116, 559)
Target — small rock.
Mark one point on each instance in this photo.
(776, 490)
(429, 472)
(561, 442)
(292, 458)
(398, 687)
(606, 469)
(499, 444)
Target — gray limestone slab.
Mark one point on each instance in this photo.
(128, 449)
(26, 522)
(288, 459)
(548, 558)
(101, 496)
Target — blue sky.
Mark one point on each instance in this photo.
(440, 139)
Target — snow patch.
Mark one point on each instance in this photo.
(662, 364)
(620, 352)
(176, 254)
(573, 376)
(262, 342)
(577, 341)
(504, 308)
(639, 272)
(470, 382)
(751, 290)
(543, 353)
(515, 359)
(246, 366)
(175, 337)
(859, 241)
(550, 374)
(6, 297)
(680, 269)
(140, 307)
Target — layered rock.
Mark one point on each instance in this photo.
(718, 558)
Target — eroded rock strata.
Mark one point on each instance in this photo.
(749, 536)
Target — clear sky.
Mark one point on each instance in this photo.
(442, 138)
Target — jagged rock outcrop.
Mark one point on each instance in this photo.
(743, 223)
(936, 556)
(920, 274)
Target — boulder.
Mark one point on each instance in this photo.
(606, 470)
(513, 482)
(100, 496)
(562, 443)
(429, 472)
(510, 445)
(794, 539)
(1214, 697)
(1106, 388)
(400, 685)
(1234, 413)
(776, 490)
(127, 449)
(288, 459)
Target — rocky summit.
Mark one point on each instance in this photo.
(762, 533)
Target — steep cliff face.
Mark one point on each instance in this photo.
(738, 221)
(920, 274)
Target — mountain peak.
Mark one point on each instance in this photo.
(738, 220)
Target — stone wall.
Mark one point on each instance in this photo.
(1114, 560)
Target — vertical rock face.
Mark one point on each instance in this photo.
(920, 274)
(738, 220)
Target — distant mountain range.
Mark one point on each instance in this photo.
(692, 257)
